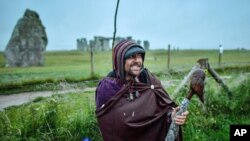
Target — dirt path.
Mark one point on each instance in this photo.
(21, 98)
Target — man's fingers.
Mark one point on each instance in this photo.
(180, 120)
(177, 108)
(180, 117)
(185, 113)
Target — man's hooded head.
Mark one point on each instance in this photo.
(122, 51)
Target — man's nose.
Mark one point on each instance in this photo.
(137, 58)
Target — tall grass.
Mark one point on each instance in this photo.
(68, 117)
(212, 120)
(72, 116)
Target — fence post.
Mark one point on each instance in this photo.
(168, 55)
(91, 61)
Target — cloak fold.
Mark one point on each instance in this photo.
(144, 118)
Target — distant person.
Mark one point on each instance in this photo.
(220, 54)
(221, 49)
(131, 104)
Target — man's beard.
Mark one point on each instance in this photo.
(131, 73)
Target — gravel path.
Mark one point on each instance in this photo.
(21, 98)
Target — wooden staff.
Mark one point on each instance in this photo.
(196, 87)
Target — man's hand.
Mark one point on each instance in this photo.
(179, 119)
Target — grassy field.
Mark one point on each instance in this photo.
(72, 116)
(74, 66)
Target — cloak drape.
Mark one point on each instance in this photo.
(145, 118)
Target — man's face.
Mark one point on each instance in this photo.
(133, 65)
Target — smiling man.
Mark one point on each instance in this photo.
(133, 62)
(131, 103)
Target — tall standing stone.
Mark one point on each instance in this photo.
(146, 44)
(28, 42)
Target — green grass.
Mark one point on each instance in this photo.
(59, 66)
(67, 117)
(74, 66)
(72, 116)
(212, 122)
(185, 59)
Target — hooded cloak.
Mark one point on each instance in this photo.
(145, 117)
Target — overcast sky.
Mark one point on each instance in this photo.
(196, 24)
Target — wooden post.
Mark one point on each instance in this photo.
(91, 61)
(219, 80)
(116, 11)
(168, 55)
(219, 59)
